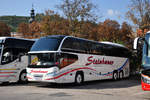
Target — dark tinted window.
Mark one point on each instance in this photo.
(18, 43)
(14, 48)
(74, 44)
(81, 46)
(47, 44)
(116, 51)
(90, 47)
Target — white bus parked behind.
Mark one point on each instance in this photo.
(13, 59)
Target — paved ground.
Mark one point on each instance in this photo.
(128, 89)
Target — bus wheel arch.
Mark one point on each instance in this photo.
(23, 77)
(115, 75)
(79, 77)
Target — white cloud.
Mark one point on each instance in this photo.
(112, 12)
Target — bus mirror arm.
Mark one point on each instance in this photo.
(146, 43)
(137, 44)
(147, 47)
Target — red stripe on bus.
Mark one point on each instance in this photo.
(7, 76)
(29, 77)
(6, 72)
(70, 72)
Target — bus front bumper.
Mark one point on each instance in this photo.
(41, 79)
(145, 86)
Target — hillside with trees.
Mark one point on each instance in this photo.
(14, 21)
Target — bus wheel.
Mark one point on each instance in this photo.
(23, 77)
(115, 75)
(79, 78)
(121, 75)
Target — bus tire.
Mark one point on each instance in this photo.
(79, 78)
(23, 77)
(115, 75)
(121, 74)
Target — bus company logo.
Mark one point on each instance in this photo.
(38, 71)
(91, 60)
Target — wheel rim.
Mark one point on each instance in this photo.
(79, 78)
(121, 75)
(23, 77)
(115, 76)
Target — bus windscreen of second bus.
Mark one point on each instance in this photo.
(146, 52)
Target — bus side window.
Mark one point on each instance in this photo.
(11, 54)
(67, 59)
(7, 57)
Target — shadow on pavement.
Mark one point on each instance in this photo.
(101, 84)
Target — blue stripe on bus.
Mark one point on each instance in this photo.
(119, 69)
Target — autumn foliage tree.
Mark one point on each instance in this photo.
(24, 29)
(4, 29)
(109, 30)
(126, 33)
(29, 30)
(87, 30)
(52, 23)
(34, 29)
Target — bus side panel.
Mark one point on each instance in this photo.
(8, 73)
(126, 69)
(102, 67)
(11, 72)
(94, 68)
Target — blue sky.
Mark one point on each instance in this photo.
(109, 9)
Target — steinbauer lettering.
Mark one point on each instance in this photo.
(91, 60)
(38, 71)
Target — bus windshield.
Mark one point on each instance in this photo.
(42, 60)
(146, 52)
(47, 44)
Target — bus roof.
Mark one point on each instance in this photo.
(16, 38)
(104, 42)
(114, 44)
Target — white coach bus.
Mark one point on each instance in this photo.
(13, 59)
(66, 59)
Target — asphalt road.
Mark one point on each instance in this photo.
(127, 89)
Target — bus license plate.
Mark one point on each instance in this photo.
(38, 77)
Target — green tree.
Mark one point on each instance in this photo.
(39, 17)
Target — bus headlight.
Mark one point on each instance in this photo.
(145, 79)
(51, 74)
